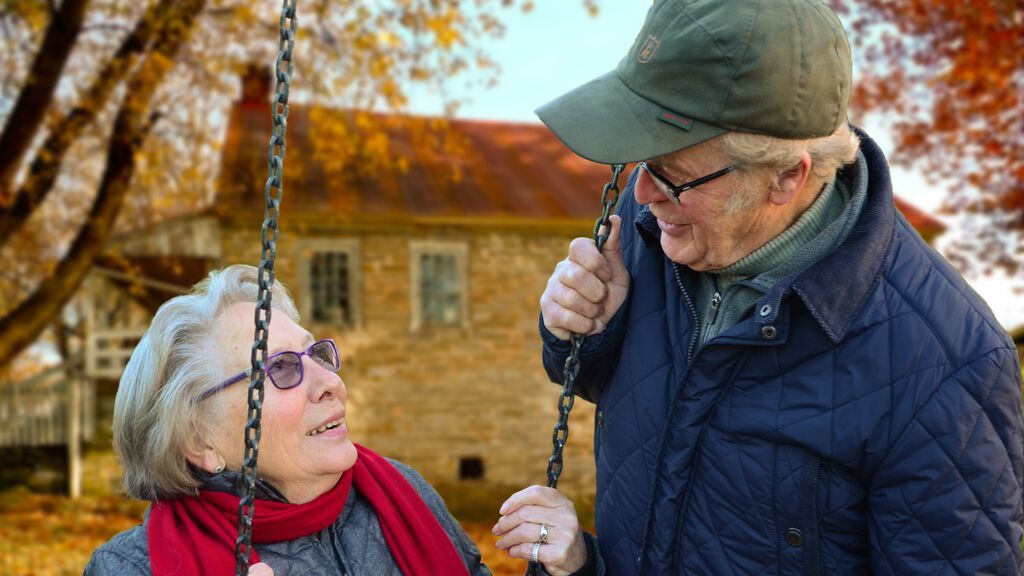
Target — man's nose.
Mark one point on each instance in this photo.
(645, 190)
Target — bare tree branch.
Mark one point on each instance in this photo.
(40, 85)
(45, 167)
(23, 325)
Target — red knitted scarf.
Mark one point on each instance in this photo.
(196, 535)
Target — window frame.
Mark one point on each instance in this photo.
(351, 248)
(420, 248)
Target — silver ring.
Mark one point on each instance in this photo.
(536, 553)
(543, 534)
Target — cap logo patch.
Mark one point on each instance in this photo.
(676, 120)
(648, 50)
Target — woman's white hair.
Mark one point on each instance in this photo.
(157, 418)
(761, 159)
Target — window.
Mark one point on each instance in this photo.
(329, 284)
(330, 270)
(438, 284)
(439, 289)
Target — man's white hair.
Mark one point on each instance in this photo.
(157, 416)
(762, 159)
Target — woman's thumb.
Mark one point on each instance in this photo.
(261, 569)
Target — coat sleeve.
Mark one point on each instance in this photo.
(106, 562)
(463, 543)
(946, 498)
(599, 355)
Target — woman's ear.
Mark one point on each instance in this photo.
(791, 182)
(206, 458)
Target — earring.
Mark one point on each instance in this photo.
(219, 469)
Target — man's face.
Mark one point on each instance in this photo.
(706, 231)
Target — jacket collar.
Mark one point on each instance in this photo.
(856, 264)
(234, 483)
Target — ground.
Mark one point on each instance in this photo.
(42, 534)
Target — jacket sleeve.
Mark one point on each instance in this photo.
(109, 563)
(595, 563)
(946, 498)
(599, 354)
(463, 543)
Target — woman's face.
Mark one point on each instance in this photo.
(299, 461)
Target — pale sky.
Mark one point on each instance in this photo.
(557, 47)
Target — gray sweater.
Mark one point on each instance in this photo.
(353, 545)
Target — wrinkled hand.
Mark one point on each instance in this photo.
(260, 569)
(522, 514)
(587, 288)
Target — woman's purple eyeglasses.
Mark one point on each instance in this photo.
(285, 368)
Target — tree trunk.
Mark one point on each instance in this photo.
(37, 93)
(22, 326)
(45, 168)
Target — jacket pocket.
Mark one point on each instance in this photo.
(811, 548)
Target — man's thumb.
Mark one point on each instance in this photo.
(611, 249)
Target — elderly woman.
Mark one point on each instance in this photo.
(324, 505)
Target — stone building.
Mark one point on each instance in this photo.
(427, 270)
(1018, 340)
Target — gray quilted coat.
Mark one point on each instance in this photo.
(353, 545)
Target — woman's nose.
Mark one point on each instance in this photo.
(323, 382)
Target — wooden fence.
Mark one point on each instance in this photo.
(53, 408)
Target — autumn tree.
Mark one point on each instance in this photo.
(948, 76)
(109, 104)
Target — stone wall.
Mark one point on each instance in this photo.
(438, 395)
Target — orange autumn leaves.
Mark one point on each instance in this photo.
(948, 77)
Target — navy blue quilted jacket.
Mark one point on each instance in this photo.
(866, 419)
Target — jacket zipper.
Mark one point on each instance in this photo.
(693, 313)
(716, 301)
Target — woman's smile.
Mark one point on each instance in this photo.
(334, 426)
(337, 431)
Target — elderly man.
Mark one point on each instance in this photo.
(788, 379)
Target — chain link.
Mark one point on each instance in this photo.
(272, 193)
(602, 229)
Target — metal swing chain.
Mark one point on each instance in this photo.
(272, 192)
(609, 198)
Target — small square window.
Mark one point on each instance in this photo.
(471, 468)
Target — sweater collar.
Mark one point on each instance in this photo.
(797, 246)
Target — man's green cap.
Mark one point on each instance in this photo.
(700, 68)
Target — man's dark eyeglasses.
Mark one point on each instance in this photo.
(285, 368)
(673, 191)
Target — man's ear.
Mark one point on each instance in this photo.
(206, 458)
(791, 182)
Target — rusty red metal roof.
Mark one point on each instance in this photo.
(470, 169)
